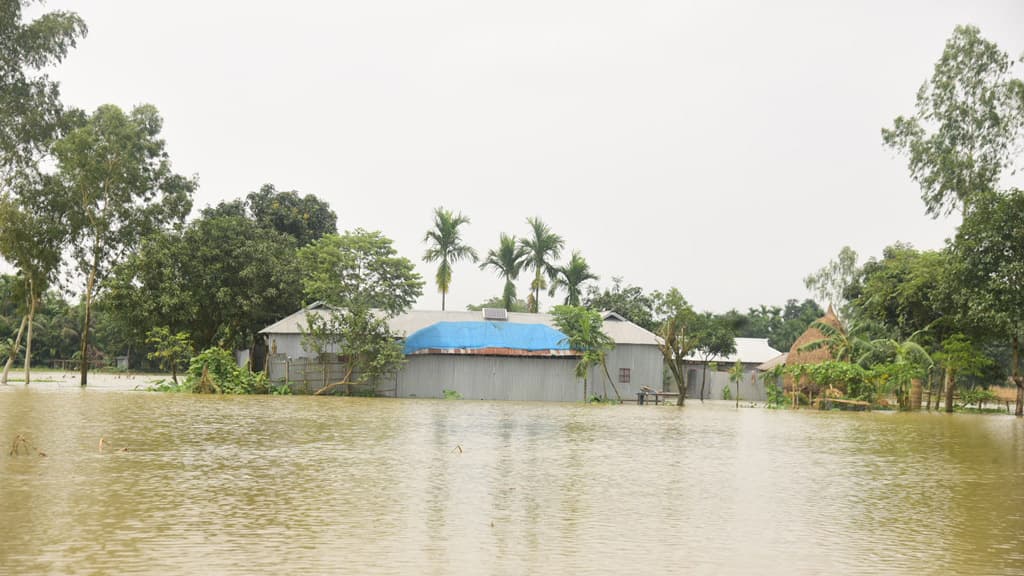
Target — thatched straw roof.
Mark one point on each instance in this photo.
(812, 334)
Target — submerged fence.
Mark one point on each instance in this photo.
(307, 375)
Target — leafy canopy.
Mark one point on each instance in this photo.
(359, 269)
(965, 132)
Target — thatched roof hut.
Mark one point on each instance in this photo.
(812, 334)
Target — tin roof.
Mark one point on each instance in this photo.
(619, 329)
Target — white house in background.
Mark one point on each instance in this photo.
(751, 352)
(494, 355)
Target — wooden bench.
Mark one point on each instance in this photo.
(658, 397)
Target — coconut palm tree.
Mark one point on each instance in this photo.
(571, 277)
(445, 246)
(507, 261)
(543, 247)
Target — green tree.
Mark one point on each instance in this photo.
(830, 283)
(571, 278)
(713, 338)
(360, 275)
(31, 118)
(543, 247)
(170, 350)
(776, 398)
(903, 364)
(305, 218)
(630, 302)
(359, 268)
(988, 271)
(445, 245)
(33, 237)
(958, 356)
(796, 317)
(582, 328)
(508, 260)
(31, 114)
(118, 177)
(677, 337)
(736, 377)
(964, 134)
(517, 305)
(222, 279)
(906, 292)
(842, 344)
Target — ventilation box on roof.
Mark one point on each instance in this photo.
(495, 314)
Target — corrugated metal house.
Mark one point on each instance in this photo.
(506, 356)
(751, 352)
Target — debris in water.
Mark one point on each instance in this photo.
(21, 444)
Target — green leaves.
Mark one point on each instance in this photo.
(582, 328)
(359, 269)
(507, 261)
(31, 114)
(965, 132)
(543, 247)
(445, 246)
(571, 278)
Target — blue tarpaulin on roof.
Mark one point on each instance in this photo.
(477, 335)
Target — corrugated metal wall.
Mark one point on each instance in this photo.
(716, 381)
(645, 366)
(490, 378)
(506, 378)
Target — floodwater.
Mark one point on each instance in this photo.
(304, 485)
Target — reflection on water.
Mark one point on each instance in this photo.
(303, 485)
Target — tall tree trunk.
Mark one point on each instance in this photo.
(32, 300)
(442, 300)
(84, 361)
(14, 350)
(680, 374)
(1017, 379)
(916, 390)
(610, 381)
(950, 381)
(703, 380)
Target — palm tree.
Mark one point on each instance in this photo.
(841, 345)
(507, 261)
(543, 247)
(905, 362)
(571, 277)
(446, 247)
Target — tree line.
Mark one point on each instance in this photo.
(91, 205)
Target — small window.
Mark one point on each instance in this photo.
(623, 375)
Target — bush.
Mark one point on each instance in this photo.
(214, 371)
(727, 393)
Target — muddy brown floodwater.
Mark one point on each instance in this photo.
(301, 485)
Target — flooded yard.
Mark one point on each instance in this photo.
(188, 484)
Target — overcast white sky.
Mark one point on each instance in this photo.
(725, 148)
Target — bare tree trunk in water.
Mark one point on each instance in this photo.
(1017, 379)
(931, 385)
(703, 379)
(14, 350)
(950, 380)
(84, 361)
(28, 337)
